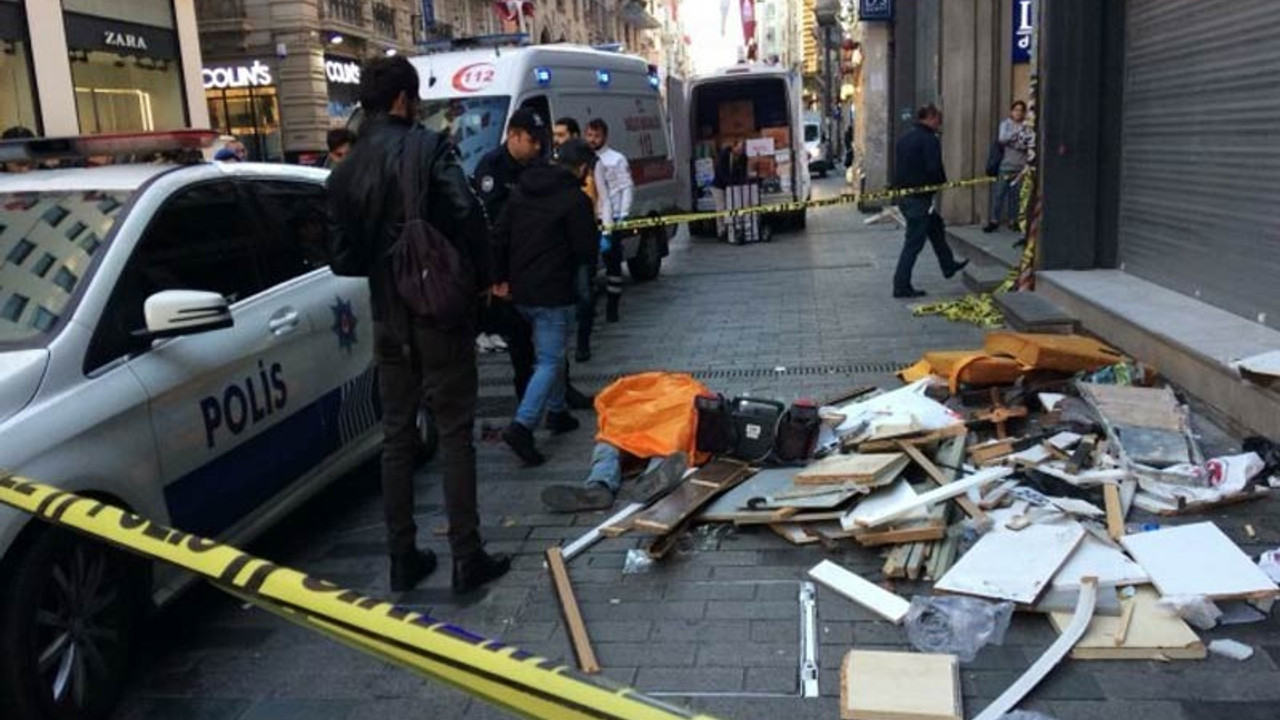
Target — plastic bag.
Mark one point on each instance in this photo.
(637, 562)
(1195, 609)
(956, 625)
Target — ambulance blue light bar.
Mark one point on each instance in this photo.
(542, 75)
(603, 77)
(84, 146)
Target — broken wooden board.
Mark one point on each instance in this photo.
(1136, 406)
(1199, 559)
(1065, 601)
(932, 527)
(1095, 558)
(1115, 512)
(950, 454)
(1063, 353)
(929, 438)
(861, 591)
(578, 637)
(689, 496)
(877, 685)
(883, 499)
(1015, 566)
(990, 451)
(1169, 508)
(814, 497)
(936, 495)
(794, 533)
(1154, 633)
(1045, 664)
(872, 470)
(731, 506)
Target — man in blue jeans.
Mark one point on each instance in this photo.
(545, 233)
(919, 164)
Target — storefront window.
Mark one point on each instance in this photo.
(252, 115)
(17, 92)
(127, 74)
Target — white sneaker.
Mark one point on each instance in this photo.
(499, 345)
(484, 344)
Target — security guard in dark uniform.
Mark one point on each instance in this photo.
(528, 143)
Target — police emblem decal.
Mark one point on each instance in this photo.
(344, 323)
(486, 184)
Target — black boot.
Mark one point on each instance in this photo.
(472, 572)
(520, 439)
(578, 400)
(560, 423)
(611, 308)
(577, 498)
(409, 570)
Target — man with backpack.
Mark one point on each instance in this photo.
(545, 234)
(390, 200)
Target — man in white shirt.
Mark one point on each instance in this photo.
(616, 190)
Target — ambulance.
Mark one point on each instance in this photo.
(760, 104)
(470, 94)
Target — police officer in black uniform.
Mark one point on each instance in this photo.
(528, 143)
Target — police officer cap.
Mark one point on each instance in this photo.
(575, 152)
(529, 120)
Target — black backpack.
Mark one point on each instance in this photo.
(994, 157)
(433, 277)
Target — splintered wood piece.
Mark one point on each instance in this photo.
(938, 476)
(572, 614)
(999, 415)
(989, 451)
(875, 469)
(1115, 514)
(891, 444)
(688, 497)
(1126, 618)
(1082, 456)
(1152, 633)
(878, 685)
(936, 495)
(857, 589)
(932, 527)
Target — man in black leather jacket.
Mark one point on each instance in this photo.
(919, 164)
(414, 355)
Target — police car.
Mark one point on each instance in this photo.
(170, 341)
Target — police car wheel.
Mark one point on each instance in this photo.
(67, 618)
(428, 437)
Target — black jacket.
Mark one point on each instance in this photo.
(731, 169)
(495, 177)
(546, 231)
(366, 210)
(919, 160)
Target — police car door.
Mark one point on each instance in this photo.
(219, 400)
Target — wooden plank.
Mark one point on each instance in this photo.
(1107, 563)
(1115, 515)
(935, 473)
(896, 563)
(1136, 406)
(1001, 566)
(861, 591)
(1122, 628)
(687, 498)
(919, 553)
(989, 451)
(877, 469)
(937, 495)
(932, 528)
(578, 637)
(995, 497)
(1071, 634)
(880, 500)
(1199, 560)
(891, 444)
(1154, 633)
(794, 534)
(877, 685)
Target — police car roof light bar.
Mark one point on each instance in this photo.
(83, 146)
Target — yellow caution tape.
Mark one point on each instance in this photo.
(505, 676)
(795, 206)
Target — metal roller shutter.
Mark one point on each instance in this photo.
(1200, 177)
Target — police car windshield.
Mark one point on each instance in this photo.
(474, 123)
(48, 241)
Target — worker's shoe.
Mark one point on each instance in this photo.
(955, 269)
(560, 423)
(908, 293)
(660, 478)
(472, 572)
(578, 400)
(990, 227)
(577, 498)
(408, 570)
(520, 439)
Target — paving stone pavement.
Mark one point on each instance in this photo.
(717, 625)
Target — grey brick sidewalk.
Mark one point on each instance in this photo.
(806, 316)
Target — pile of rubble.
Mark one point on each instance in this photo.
(1005, 476)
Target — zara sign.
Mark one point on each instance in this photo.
(237, 76)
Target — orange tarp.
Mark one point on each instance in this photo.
(1064, 353)
(650, 414)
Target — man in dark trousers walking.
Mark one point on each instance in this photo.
(919, 163)
(414, 354)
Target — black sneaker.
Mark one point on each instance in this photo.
(520, 439)
(470, 573)
(955, 269)
(560, 423)
(409, 570)
(578, 400)
(908, 293)
(577, 498)
(660, 479)
(990, 227)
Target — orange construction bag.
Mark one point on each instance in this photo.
(650, 414)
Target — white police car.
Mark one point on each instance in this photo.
(171, 341)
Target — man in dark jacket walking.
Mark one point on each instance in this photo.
(546, 232)
(414, 354)
(919, 163)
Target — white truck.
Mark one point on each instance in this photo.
(757, 103)
(470, 94)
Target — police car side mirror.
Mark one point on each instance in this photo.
(171, 313)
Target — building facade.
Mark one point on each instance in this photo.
(99, 66)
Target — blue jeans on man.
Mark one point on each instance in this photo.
(545, 392)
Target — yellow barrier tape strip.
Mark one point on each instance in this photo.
(520, 682)
(849, 199)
